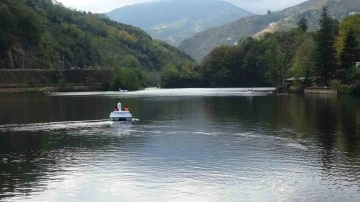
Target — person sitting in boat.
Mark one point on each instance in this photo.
(115, 108)
(126, 109)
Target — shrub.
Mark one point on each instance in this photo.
(65, 87)
(125, 78)
(282, 89)
(33, 82)
(340, 88)
(59, 77)
(335, 84)
(296, 89)
(105, 86)
(355, 89)
(344, 89)
(44, 80)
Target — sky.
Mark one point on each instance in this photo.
(102, 6)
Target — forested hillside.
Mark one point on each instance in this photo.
(202, 43)
(42, 34)
(325, 57)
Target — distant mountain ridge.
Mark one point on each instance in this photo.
(175, 20)
(202, 43)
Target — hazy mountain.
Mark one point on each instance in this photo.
(176, 20)
(202, 43)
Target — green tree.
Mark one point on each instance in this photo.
(303, 62)
(253, 65)
(349, 23)
(53, 35)
(169, 75)
(125, 78)
(214, 66)
(349, 56)
(326, 61)
(6, 27)
(303, 24)
(130, 61)
(276, 64)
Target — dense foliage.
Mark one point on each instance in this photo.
(326, 60)
(256, 62)
(45, 34)
(324, 57)
(200, 45)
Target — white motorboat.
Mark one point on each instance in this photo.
(249, 91)
(122, 90)
(120, 115)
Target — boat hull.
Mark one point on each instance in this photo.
(120, 116)
(126, 119)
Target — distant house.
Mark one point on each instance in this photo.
(352, 13)
(300, 79)
(293, 79)
(272, 24)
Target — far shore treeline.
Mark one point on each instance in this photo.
(43, 34)
(326, 57)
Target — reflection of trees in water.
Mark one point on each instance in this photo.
(333, 121)
(239, 109)
(325, 116)
(17, 171)
(36, 108)
(167, 109)
(29, 158)
(349, 124)
(348, 138)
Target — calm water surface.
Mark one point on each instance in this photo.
(188, 145)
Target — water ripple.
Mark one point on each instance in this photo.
(97, 160)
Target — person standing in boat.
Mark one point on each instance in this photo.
(126, 109)
(115, 108)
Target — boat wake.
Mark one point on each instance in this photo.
(65, 125)
(55, 125)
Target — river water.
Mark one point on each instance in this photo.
(186, 145)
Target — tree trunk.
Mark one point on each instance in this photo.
(11, 59)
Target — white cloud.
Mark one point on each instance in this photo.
(101, 6)
(262, 6)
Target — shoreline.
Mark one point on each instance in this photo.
(15, 90)
(50, 80)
